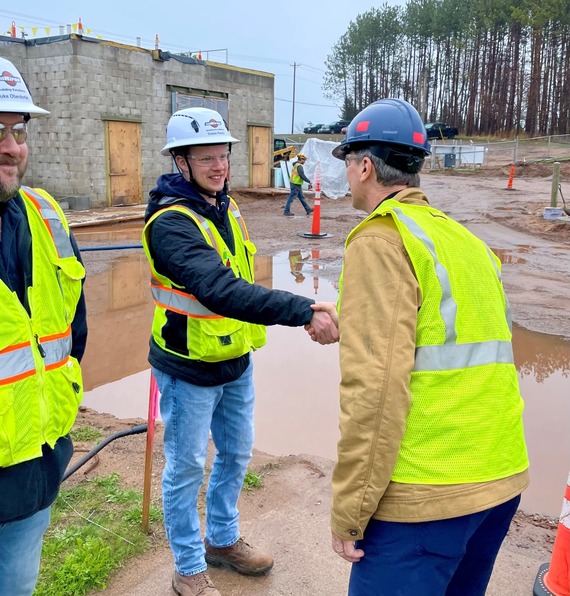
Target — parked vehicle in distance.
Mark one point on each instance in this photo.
(334, 127)
(440, 130)
(314, 128)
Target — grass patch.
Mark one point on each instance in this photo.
(96, 527)
(86, 434)
(252, 480)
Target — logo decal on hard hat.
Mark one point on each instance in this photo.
(363, 126)
(418, 138)
(213, 123)
(9, 79)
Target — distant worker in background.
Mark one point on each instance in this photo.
(209, 317)
(431, 457)
(296, 184)
(43, 331)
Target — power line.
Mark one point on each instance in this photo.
(304, 103)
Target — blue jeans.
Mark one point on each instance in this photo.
(20, 550)
(189, 412)
(450, 557)
(296, 192)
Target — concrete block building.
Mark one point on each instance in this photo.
(110, 104)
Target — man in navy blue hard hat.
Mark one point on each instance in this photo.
(432, 457)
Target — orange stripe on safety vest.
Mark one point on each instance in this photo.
(15, 347)
(57, 364)
(19, 377)
(181, 312)
(55, 336)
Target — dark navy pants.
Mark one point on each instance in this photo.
(451, 557)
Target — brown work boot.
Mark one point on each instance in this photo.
(199, 584)
(240, 556)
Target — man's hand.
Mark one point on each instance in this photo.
(345, 549)
(323, 327)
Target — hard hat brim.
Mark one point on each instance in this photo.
(195, 142)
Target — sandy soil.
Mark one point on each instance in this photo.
(289, 515)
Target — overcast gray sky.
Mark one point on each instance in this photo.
(259, 34)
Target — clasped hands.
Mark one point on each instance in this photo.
(323, 327)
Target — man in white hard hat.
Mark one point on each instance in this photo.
(209, 316)
(43, 331)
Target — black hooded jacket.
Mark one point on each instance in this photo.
(181, 253)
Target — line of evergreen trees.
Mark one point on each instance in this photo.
(485, 66)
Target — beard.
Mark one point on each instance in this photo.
(10, 184)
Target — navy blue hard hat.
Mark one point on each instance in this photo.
(390, 128)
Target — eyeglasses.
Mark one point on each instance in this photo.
(347, 159)
(210, 160)
(19, 132)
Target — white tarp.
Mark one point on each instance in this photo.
(332, 170)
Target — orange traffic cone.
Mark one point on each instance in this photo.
(316, 227)
(79, 27)
(554, 579)
(511, 178)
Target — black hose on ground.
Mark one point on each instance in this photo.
(135, 430)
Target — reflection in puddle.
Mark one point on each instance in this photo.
(297, 380)
(506, 256)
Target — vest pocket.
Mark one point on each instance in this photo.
(220, 339)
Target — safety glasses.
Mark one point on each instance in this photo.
(19, 132)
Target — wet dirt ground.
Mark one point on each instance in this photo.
(290, 514)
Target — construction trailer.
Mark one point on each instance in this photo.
(110, 104)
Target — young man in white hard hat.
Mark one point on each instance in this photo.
(209, 316)
(43, 331)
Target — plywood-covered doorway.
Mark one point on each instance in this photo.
(124, 163)
(261, 156)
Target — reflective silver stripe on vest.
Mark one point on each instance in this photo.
(452, 355)
(54, 224)
(180, 302)
(507, 305)
(448, 306)
(56, 350)
(240, 221)
(205, 224)
(14, 363)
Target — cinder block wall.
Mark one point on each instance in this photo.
(84, 82)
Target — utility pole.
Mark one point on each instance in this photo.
(294, 65)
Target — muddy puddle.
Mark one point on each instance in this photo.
(296, 380)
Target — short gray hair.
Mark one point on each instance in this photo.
(387, 175)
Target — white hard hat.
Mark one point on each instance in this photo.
(14, 95)
(196, 126)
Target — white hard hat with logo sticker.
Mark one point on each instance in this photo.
(14, 95)
(196, 126)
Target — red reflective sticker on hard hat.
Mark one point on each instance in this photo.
(418, 138)
(363, 126)
(9, 78)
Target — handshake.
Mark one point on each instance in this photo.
(323, 327)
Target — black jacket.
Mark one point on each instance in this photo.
(31, 486)
(181, 253)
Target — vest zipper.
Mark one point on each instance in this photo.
(40, 347)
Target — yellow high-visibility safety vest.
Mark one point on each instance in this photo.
(40, 382)
(210, 337)
(464, 380)
(295, 178)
